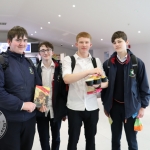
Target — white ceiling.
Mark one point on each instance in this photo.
(101, 18)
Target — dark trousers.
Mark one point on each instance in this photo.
(43, 129)
(90, 120)
(19, 135)
(118, 116)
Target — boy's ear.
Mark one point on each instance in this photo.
(9, 42)
(127, 43)
(52, 53)
(76, 44)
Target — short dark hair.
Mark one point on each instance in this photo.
(119, 34)
(47, 44)
(16, 31)
(83, 34)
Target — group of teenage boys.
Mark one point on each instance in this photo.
(125, 93)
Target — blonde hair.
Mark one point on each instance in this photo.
(83, 34)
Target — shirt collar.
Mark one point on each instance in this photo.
(52, 64)
(122, 59)
(77, 56)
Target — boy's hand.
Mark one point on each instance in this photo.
(42, 109)
(141, 113)
(28, 106)
(96, 71)
(107, 114)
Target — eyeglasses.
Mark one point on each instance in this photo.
(45, 50)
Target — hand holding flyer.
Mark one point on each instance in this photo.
(41, 96)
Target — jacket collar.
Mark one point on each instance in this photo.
(16, 55)
(114, 56)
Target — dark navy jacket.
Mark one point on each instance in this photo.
(59, 93)
(136, 89)
(17, 85)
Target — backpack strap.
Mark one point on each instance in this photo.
(94, 62)
(4, 60)
(30, 61)
(73, 62)
(134, 63)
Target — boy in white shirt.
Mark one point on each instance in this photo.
(51, 114)
(82, 107)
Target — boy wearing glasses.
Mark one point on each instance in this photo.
(17, 86)
(49, 71)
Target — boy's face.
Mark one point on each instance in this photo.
(120, 45)
(45, 52)
(18, 45)
(83, 45)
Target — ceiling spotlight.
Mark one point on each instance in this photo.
(41, 28)
(35, 32)
(73, 6)
(101, 39)
(72, 45)
(48, 22)
(31, 34)
(59, 15)
(139, 31)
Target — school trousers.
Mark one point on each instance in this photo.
(117, 114)
(75, 120)
(44, 124)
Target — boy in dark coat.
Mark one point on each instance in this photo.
(128, 93)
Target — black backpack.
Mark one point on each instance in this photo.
(134, 63)
(73, 62)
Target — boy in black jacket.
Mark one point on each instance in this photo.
(49, 71)
(17, 86)
(128, 93)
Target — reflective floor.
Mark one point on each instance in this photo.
(103, 137)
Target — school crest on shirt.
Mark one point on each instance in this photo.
(132, 74)
(3, 125)
(31, 70)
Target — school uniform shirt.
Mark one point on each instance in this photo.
(47, 78)
(122, 59)
(78, 99)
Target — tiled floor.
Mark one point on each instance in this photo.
(103, 137)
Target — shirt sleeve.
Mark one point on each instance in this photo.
(66, 66)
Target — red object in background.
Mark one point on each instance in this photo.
(129, 46)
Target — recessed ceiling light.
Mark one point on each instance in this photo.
(73, 6)
(101, 39)
(31, 34)
(59, 15)
(48, 22)
(41, 28)
(139, 31)
(35, 32)
(72, 45)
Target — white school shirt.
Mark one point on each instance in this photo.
(47, 78)
(122, 59)
(77, 95)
